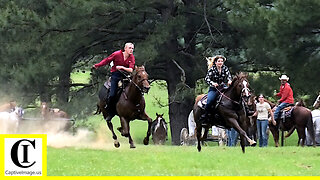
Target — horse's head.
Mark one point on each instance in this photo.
(19, 111)
(140, 78)
(317, 102)
(240, 84)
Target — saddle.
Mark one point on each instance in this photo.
(105, 89)
(203, 101)
(286, 112)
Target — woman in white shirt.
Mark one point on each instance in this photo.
(263, 110)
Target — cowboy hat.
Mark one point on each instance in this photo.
(284, 77)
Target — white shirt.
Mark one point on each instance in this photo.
(263, 110)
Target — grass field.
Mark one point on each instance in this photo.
(93, 154)
(184, 161)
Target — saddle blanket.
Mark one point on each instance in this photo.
(286, 113)
(203, 102)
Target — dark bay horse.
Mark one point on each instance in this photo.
(130, 106)
(159, 130)
(252, 120)
(301, 118)
(230, 111)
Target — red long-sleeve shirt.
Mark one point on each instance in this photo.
(286, 94)
(118, 60)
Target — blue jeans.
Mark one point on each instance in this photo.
(232, 137)
(212, 94)
(279, 108)
(262, 132)
(115, 78)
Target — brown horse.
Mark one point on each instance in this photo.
(52, 113)
(130, 106)
(252, 120)
(301, 118)
(7, 107)
(230, 112)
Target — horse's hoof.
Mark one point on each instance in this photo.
(132, 146)
(146, 141)
(252, 143)
(199, 148)
(116, 144)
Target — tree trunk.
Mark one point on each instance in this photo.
(64, 86)
(180, 105)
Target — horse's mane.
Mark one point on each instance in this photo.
(238, 76)
(300, 103)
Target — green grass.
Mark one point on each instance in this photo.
(184, 161)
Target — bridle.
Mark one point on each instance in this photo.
(244, 89)
(142, 91)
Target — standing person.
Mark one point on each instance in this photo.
(263, 108)
(232, 137)
(285, 94)
(218, 74)
(122, 60)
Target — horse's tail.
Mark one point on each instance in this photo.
(310, 128)
(98, 111)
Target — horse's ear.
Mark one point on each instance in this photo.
(161, 115)
(157, 114)
(135, 67)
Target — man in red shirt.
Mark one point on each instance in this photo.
(122, 60)
(285, 94)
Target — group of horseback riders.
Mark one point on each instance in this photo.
(218, 75)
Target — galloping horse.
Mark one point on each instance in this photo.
(52, 113)
(230, 112)
(131, 105)
(301, 118)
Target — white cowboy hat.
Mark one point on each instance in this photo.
(284, 77)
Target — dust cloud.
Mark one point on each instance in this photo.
(61, 134)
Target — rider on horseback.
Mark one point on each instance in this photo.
(122, 60)
(217, 75)
(286, 95)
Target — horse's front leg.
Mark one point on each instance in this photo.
(275, 133)
(242, 134)
(125, 130)
(130, 139)
(144, 116)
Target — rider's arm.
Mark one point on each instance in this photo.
(285, 94)
(105, 61)
(124, 68)
(228, 75)
(209, 78)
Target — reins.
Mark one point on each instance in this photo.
(130, 80)
(233, 101)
